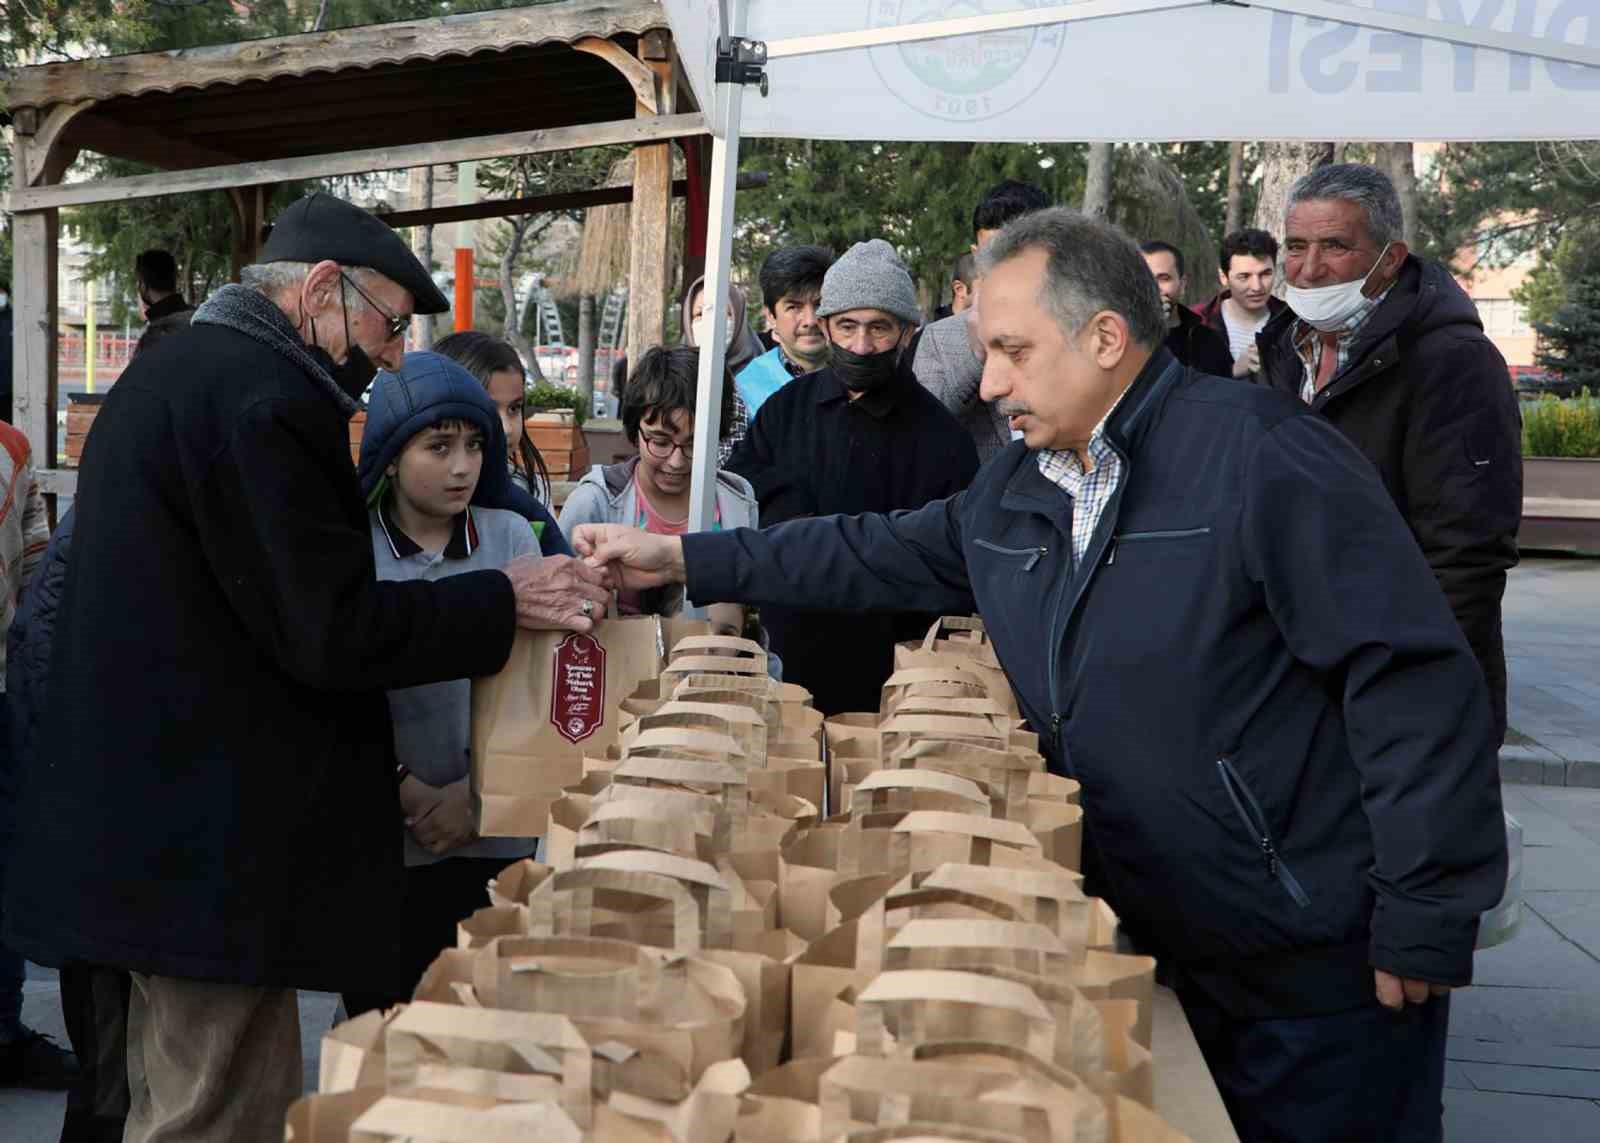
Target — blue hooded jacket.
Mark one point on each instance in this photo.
(430, 388)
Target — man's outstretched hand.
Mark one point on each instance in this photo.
(639, 559)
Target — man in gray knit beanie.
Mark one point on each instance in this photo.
(869, 312)
(859, 435)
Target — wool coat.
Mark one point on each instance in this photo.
(213, 795)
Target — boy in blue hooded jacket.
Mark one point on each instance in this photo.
(437, 509)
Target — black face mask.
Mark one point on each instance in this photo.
(358, 369)
(864, 372)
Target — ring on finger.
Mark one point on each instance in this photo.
(588, 609)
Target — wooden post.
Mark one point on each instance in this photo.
(33, 292)
(249, 217)
(651, 216)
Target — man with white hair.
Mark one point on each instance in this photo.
(1390, 349)
(215, 802)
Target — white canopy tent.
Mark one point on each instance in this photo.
(1123, 70)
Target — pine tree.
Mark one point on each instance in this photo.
(1570, 340)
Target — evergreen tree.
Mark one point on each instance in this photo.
(1570, 340)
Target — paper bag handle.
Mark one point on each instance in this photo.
(954, 623)
(909, 990)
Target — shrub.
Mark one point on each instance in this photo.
(544, 397)
(1569, 428)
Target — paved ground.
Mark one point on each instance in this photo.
(1524, 1059)
(1552, 627)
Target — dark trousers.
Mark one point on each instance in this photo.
(94, 1004)
(1364, 1076)
(437, 898)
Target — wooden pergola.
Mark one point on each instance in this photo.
(241, 118)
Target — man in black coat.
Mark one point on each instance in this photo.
(859, 435)
(214, 801)
(1391, 350)
(1189, 339)
(1220, 626)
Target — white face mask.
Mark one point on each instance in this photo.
(1330, 308)
(5, 299)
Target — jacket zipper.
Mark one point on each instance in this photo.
(1256, 823)
(1135, 537)
(1034, 554)
(1091, 562)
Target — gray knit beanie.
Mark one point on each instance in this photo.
(870, 276)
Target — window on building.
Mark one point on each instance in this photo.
(1504, 317)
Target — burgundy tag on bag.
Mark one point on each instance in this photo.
(578, 690)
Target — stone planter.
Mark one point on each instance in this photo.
(1560, 504)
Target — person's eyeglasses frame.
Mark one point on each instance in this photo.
(652, 445)
(397, 324)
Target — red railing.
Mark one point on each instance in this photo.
(112, 350)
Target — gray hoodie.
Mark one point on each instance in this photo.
(608, 494)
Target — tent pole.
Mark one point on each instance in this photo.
(713, 354)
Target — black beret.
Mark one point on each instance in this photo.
(321, 227)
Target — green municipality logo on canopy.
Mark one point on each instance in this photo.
(964, 78)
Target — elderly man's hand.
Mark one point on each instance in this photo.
(558, 592)
(638, 558)
(1395, 992)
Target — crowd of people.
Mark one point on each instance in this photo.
(1243, 564)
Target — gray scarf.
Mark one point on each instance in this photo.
(257, 316)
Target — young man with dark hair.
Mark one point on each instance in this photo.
(1006, 200)
(946, 359)
(1247, 264)
(1189, 339)
(791, 283)
(963, 282)
(155, 275)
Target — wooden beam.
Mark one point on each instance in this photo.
(626, 132)
(91, 132)
(33, 366)
(542, 203)
(47, 155)
(650, 219)
(639, 76)
(343, 49)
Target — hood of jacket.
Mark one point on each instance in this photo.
(613, 481)
(427, 389)
(743, 345)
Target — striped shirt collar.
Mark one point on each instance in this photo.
(463, 535)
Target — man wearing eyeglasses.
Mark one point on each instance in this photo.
(221, 818)
(859, 435)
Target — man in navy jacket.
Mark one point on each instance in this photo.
(1217, 621)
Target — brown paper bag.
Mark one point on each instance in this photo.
(452, 1117)
(781, 1105)
(327, 1118)
(883, 1092)
(959, 642)
(352, 1053)
(656, 899)
(556, 699)
(511, 1057)
(655, 1024)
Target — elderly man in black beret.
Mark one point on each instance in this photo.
(214, 802)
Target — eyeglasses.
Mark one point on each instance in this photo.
(397, 323)
(662, 448)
